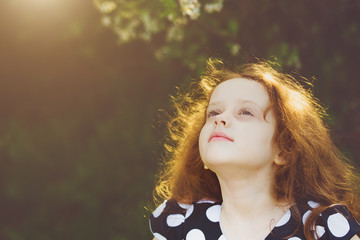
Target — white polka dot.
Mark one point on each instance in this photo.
(320, 230)
(305, 216)
(284, 219)
(189, 211)
(159, 236)
(205, 201)
(175, 220)
(294, 238)
(184, 206)
(313, 204)
(222, 237)
(195, 234)
(159, 210)
(213, 213)
(338, 225)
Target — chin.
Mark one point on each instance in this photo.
(218, 161)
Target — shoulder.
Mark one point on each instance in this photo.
(328, 223)
(334, 222)
(339, 222)
(172, 220)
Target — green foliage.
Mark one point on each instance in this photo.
(319, 40)
(78, 149)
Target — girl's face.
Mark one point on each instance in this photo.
(235, 133)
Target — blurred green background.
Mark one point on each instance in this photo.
(81, 82)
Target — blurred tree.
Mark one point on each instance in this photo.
(77, 146)
(78, 149)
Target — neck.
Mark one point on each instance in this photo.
(249, 207)
(247, 193)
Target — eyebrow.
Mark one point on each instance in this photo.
(242, 101)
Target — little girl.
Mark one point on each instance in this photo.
(249, 157)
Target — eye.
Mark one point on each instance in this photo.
(246, 112)
(212, 113)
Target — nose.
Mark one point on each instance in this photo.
(221, 119)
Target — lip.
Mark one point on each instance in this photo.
(220, 136)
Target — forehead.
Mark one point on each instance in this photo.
(240, 89)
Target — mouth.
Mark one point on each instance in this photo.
(219, 136)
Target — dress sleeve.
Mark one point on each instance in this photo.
(166, 222)
(339, 223)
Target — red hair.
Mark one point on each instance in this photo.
(313, 168)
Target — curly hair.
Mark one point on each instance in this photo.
(313, 168)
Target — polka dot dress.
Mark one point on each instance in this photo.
(200, 221)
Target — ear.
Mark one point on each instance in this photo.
(279, 160)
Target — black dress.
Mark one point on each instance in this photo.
(200, 221)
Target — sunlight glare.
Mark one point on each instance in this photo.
(269, 77)
(105, 6)
(38, 5)
(297, 101)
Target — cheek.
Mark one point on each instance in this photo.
(255, 137)
(266, 140)
(265, 134)
(203, 140)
